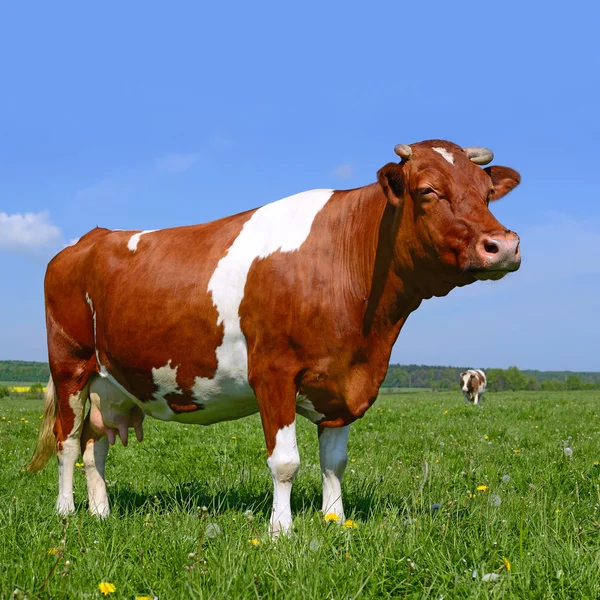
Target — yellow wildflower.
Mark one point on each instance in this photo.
(332, 517)
(79, 464)
(143, 598)
(506, 563)
(254, 542)
(485, 437)
(106, 588)
(233, 437)
(558, 510)
(52, 550)
(470, 496)
(3, 419)
(446, 412)
(350, 524)
(482, 488)
(516, 451)
(348, 556)
(596, 463)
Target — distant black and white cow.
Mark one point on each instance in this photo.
(472, 383)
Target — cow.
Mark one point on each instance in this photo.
(472, 383)
(291, 308)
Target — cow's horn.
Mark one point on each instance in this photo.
(403, 151)
(480, 156)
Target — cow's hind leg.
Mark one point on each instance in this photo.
(72, 396)
(277, 405)
(94, 447)
(333, 455)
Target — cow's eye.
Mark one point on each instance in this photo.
(427, 191)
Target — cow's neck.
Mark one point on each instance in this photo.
(386, 285)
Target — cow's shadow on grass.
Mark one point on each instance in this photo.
(190, 497)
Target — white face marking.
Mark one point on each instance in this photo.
(283, 463)
(333, 457)
(281, 226)
(446, 154)
(134, 240)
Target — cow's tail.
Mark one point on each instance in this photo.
(46, 440)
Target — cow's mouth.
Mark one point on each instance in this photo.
(490, 274)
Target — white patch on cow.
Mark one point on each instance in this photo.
(446, 154)
(281, 226)
(165, 379)
(103, 372)
(305, 408)
(283, 463)
(333, 457)
(134, 240)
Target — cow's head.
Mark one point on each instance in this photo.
(465, 379)
(443, 224)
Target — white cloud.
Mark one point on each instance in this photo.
(28, 232)
(343, 171)
(175, 163)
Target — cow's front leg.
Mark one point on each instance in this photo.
(333, 455)
(278, 414)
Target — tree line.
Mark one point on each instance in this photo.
(398, 376)
(498, 380)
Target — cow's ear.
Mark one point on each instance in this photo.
(391, 179)
(504, 180)
(462, 375)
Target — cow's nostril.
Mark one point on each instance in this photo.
(491, 248)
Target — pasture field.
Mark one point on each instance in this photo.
(510, 493)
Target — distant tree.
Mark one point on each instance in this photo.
(515, 380)
(3, 391)
(532, 384)
(551, 385)
(496, 380)
(36, 387)
(573, 383)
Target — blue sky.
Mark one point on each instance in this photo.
(135, 115)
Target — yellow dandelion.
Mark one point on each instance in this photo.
(470, 496)
(350, 524)
(233, 437)
(106, 588)
(485, 437)
(332, 517)
(26, 421)
(596, 463)
(482, 488)
(79, 464)
(3, 419)
(52, 550)
(558, 510)
(506, 563)
(143, 598)
(446, 412)
(516, 451)
(352, 460)
(254, 542)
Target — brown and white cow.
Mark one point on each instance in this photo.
(289, 308)
(472, 383)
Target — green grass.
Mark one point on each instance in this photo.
(546, 524)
